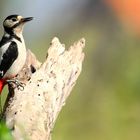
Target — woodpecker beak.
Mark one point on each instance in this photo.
(23, 20)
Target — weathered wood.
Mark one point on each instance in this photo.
(32, 112)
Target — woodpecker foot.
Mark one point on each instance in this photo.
(16, 82)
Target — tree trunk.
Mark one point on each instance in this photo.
(31, 113)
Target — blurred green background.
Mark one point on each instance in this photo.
(105, 103)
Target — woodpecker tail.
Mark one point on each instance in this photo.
(2, 83)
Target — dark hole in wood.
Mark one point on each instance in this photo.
(32, 69)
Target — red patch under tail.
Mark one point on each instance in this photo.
(2, 83)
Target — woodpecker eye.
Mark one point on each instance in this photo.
(14, 19)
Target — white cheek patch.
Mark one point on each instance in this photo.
(9, 23)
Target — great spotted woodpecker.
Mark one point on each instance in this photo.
(12, 48)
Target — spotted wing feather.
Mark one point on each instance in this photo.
(8, 58)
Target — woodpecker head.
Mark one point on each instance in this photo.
(13, 24)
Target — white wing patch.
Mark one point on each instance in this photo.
(3, 50)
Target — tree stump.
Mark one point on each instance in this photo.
(31, 113)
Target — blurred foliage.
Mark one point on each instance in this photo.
(104, 104)
(4, 132)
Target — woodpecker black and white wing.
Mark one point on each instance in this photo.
(5, 39)
(8, 53)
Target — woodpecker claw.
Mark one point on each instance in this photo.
(18, 84)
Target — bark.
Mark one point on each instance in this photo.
(32, 112)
